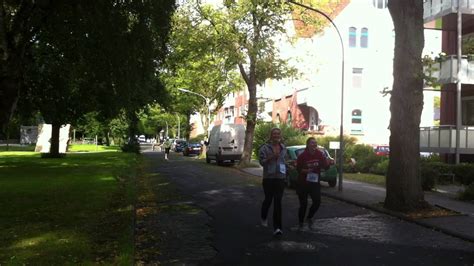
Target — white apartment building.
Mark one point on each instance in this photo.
(368, 37)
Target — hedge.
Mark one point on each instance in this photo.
(463, 173)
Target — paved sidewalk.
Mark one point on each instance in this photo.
(370, 196)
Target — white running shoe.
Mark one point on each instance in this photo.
(264, 222)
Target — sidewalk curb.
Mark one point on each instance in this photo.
(391, 213)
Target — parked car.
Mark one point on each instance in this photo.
(329, 175)
(192, 148)
(141, 139)
(179, 145)
(382, 150)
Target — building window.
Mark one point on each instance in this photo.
(278, 119)
(352, 36)
(357, 77)
(380, 4)
(356, 122)
(231, 111)
(364, 38)
(243, 109)
(288, 118)
(468, 111)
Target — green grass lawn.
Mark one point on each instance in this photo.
(17, 148)
(367, 178)
(91, 148)
(77, 209)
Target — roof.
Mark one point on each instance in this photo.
(306, 30)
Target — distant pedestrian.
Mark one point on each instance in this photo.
(272, 158)
(153, 144)
(167, 146)
(309, 165)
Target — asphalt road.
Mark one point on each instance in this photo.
(343, 234)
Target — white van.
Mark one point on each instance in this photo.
(226, 143)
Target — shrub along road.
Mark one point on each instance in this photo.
(226, 231)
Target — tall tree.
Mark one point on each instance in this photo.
(198, 63)
(98, 56)
(19, 23)
(249, 31)
(404, 190)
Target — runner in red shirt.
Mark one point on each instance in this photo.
(309, 165)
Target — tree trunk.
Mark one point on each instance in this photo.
(404, 192)
(9, 95)
(251, 123)
(132, 127)
(54, 148)
(107, 138)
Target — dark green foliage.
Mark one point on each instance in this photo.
(101, 56)
(52, 156)
(431, 158)
(381, 167)
(429, 175)
(347, 141)
(348, 168)
(290, 135)
(441, 167)
(132, 146)
(198, 138)
(468, 193)
(296, 140)
(364, 156)
(464, 173)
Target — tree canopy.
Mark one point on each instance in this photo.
(199, 63)
(246, 32)
(102, 56)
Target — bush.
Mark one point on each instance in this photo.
(380, 168)
(364, 156)
(468, 193)
(131, 146)
(296, 140)
(347, 142)
(431, 158)
(289, 134)
(198, 138)
(464, 173)
(429, 175)
(440, 168)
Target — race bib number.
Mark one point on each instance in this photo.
(312, 177)
(282, 168)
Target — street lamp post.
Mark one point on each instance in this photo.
(208, 104)
(341, 132)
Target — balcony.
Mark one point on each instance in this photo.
(442, 139)
(434, 9)
(446, 72)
